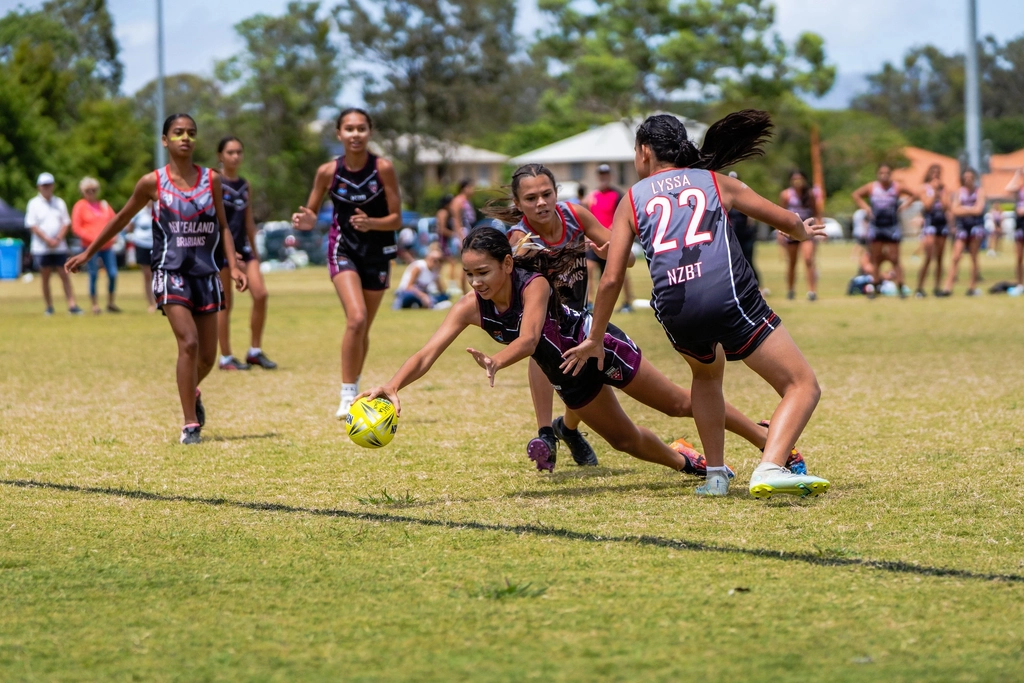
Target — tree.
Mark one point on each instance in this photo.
(197, 96)
(623, 57)
(439, 69)
(278, 85)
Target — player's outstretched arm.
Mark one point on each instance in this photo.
(145, 191)
(598, 234)
(535, 309)
(463, 314)
(736, 195)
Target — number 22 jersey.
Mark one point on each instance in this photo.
(704, 290)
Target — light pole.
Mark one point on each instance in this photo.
(159, 155)
(972, 92)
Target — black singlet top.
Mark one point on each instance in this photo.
(360, 189)
(236, 201)
(185, 228)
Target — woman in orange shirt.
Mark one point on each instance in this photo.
(88, 218)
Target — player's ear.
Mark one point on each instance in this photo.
(508, 264)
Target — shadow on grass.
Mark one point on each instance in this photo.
(576, 491)
(573, 474)
(243, 437)
(823, 558)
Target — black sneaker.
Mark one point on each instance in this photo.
(791, 295)
(190, 434)
(579, 448)
(75, 310)
(543, 450)
(261, 360)
(919, 294)
(812, 296)
(234, 364)
(200, 410)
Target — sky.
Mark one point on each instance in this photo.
(859, 36)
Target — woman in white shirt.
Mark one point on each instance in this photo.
(46, 216)
(421, 283)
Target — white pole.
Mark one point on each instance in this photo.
(160, 155)
(972, 92)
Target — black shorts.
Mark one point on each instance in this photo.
(143, 256)
(51, 260)
(199, 294)
(621, 363)
(890, 234)
(374, 276)
(935, 230)
(740, 334)
(245, 254)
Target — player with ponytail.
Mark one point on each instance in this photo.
(516, 300)
(704, 291)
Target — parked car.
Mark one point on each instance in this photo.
(275, 239)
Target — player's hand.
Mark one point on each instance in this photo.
(870, 215)
(390, 393)
(75, 263)
(601, 251)
(576, 358)
(814, 229)
(360, 221)
(241, 281)
(486, 362)
(304, 219)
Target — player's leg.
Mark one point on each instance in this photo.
(605, 416)
(258, 317)
(779, 362)
(372, 299)
(542, 449)
(893, 249)
(877, 257)
(227, 359)
(206, 336)
(973, 248)
(1019, 268)
(110, 265)
(954, 264)
(147, 287)
(940, 249)
(44, 275)
(94, 272)
(69, 293)
(927, 254)
(808, 249)
(187, 369)
(789, 250)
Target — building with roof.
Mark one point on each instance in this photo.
(447, 163)
(1002, 167)
(575, 159)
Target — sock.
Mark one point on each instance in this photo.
(722, 471)
(546, 431)
(349, 391)
(255, 350)
(225, 359)
(767, 467)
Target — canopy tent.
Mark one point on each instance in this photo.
(11, 220)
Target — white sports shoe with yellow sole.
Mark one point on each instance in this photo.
(767, 480)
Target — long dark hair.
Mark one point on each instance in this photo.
(548, 263)
(807, 192)
(224, 143)
(174, 117)
(354, 110)
(933, 171)
(504, 208)
(730, 140)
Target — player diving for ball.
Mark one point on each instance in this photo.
(514, 302)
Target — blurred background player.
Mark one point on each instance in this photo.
(420, 286)
(880, 200)
(361, 243)
(463, 218)
(969, 212)
(140, 234)
(238, 211)
(935, 208)
(89, 216)
(46, 217)
(806, 202)
(1016, 188)
(602, 203)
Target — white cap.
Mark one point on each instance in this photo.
(604, 168)
(44, 179)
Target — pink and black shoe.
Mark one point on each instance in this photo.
(543, 450)
(695, 461)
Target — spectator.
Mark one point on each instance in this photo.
(46, 216)
(88, 218)
(421, 284)
(141, 235)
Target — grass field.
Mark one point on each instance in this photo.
(278, 551)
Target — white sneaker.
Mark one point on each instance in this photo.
(346, 403)
(768, 480)
(716, 485)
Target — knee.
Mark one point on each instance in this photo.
(681, 407)
(813, 388)
(357, 323)
(188, 346)
(260, 296)
(624, 441)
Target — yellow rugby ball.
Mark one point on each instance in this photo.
(371, 423)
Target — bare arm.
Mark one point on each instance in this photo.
(250, 226)
(145, 191)
(463, 314)
(736, 195)
(1016, 182)
(860, 197)
(460, 229)
(598, 234)
(305, 217)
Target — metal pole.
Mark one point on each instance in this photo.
(160, 154)
(972, 91)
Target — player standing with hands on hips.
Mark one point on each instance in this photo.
(189, 224)
(704, 291)
(361, 243)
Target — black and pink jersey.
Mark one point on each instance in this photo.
(1020, 202)
(359, 189)
(572, 285)
(186, 231)
(796, 204)
(705, 291)
(936, 216)
(969, 199)
(236, 201)
(884, 204)
(622, 356)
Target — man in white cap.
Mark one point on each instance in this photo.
(46, 216)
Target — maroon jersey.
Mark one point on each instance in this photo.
(572, 285)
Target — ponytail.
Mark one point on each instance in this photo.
(504, 208)
(730, 140)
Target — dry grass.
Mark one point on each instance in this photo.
(271, 552)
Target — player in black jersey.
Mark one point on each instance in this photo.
(969, 212)
(935, 207)
(514, 302)
(361, 243)
(238, 209)
(704, 292)
(540, 222)
(189, 224)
